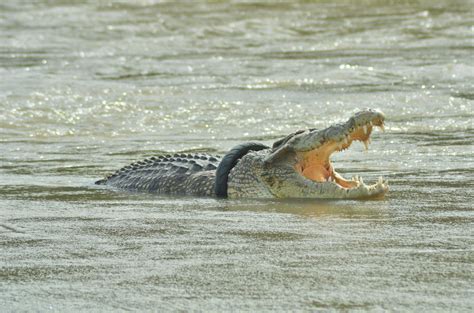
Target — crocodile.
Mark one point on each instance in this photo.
(296, 166)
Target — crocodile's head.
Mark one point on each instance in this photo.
(308, 154)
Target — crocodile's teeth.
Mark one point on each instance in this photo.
(380, 180)
(361, 181)
(370, 123)
(366, 145)
(365, 129)
(345, 141)
(382, 127)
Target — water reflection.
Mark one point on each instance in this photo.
(314, 207)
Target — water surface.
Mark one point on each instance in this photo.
(88, 87)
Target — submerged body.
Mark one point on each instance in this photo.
(297, 166)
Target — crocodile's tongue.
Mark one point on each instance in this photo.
(316, 164)
(313, 148)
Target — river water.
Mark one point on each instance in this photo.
(86, 88)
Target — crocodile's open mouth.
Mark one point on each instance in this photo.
(316, 164)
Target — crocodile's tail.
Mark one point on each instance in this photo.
(102, 181)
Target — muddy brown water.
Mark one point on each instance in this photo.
(86, 88)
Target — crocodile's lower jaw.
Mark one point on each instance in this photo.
(316, 164)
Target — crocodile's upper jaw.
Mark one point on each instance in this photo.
(313, 150)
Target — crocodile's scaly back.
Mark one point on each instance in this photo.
(184, 174)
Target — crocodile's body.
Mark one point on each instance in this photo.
(296, 166)
(186, 174)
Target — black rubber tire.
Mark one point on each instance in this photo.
(229, 161)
